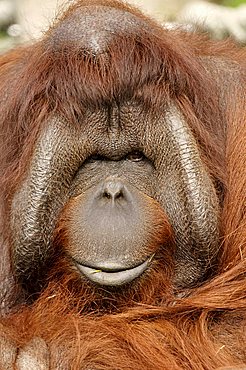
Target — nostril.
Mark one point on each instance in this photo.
(113, 190)
(107, 195)
(110, 195)
(119, 195)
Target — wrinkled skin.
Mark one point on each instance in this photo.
(118, 203)
(116, 233)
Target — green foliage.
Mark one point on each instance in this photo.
(233, 3)
(2, 34)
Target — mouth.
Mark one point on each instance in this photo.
(114, 277)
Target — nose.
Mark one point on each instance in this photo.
(113, 190)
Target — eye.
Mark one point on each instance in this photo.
(135, 156)
(96, 157)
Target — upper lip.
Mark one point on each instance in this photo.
(113, 277)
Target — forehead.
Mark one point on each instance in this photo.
(115, 124)
(94, 27)
(120, 128)
(98, 54)
(111, 131)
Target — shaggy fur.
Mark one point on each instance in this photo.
(195, 329)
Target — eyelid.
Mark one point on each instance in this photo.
(136, 156)
(97, 157)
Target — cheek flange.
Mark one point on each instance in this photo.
(38, 201)
(189, 198)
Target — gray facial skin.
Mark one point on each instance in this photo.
(116, 180)
(71, 165)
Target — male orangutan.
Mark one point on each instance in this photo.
(123, 197)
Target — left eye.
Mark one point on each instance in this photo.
(135, 156)
(96, 157)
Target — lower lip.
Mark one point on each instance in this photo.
(115, 278)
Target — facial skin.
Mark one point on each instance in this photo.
(118, 181)
(122, 182)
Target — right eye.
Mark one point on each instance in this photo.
(135, 156)
(96, 157)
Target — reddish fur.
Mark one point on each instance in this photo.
(204, 329)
